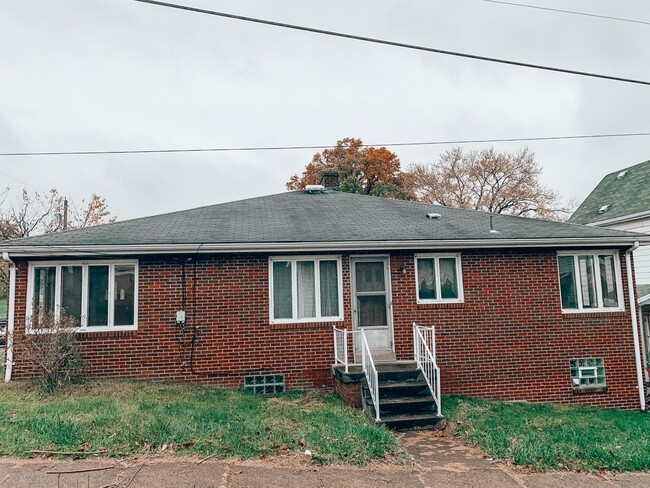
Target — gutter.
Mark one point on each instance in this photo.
(635, 326)
(621, 219)
(10, 316)
(239, 247)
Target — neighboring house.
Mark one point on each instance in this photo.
(523, 309)
(622, 201)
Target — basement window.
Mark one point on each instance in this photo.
(438, 278)
(99, 295)
(590, 281)
(264, 383)
(587, 373)
(305, 289)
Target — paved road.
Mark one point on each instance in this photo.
(438, 462)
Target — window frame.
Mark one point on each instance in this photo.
(595, 253)
(83, 326)
(436, 264)
(294, 288)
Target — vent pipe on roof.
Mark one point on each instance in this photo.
(621, 175)
(435, 216)
(603, 209)
(492, 229)
(315, 188)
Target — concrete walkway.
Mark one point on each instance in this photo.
(438, 462)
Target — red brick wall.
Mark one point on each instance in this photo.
(509, 339)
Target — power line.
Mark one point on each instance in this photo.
(325, 146)
(573, 12)
(392, 43)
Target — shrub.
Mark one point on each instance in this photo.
(53, 348)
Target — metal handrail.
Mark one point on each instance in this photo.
(341, 348)
(370, 371)
(424, 348)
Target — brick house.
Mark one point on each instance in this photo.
(247, 293)
(622, 201)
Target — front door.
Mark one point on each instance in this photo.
(371, 304)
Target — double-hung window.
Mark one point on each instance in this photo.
(305, 289)
(438, 278)
(590, 281)
(99, 295)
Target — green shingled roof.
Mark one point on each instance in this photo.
(627, 195)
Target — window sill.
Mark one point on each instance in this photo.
(591, 311)
(588, 390)
(303, 325)
(321, 320)
(449, 304)
(94, 330)
(592, 314)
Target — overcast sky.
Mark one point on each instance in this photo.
(116, 74)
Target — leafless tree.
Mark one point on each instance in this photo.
(497, 182)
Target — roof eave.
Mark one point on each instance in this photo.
(136, 249)
(617, 220)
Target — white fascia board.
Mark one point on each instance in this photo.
(623, 218)
(644, 300)
(139, 249)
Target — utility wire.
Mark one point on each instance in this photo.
(392, 43)
(326, 146)
(573, 12)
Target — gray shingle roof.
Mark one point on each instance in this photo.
(301, 217)
(625, 196)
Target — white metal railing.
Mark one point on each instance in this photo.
(341, 350)
(424, 348)
(370, 371)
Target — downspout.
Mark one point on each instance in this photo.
(10, 316)
(635, 329)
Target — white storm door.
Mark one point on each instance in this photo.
(371, 302)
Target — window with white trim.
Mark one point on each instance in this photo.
(590, 281)
(99, 295)
(305, 289)
(438, 278)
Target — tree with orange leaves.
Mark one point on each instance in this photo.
(361, 169)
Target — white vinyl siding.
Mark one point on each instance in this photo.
(642, 254)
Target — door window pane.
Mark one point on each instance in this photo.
(329, 289)
(282, 302)
(587, 281)
(97, 295)
(71, 282)
(608, 280)
(426, 279)
(124, 295)
(567, 282)
(372, 311)
(44, 289)
(448, 278)
(370, 277)
(306, 289)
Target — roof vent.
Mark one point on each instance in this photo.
(315, 188)
(433, 216)
(603, 209)
(621, 175)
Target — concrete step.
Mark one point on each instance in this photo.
(409, 421)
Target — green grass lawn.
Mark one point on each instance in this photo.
(548, 437)
(126, 418)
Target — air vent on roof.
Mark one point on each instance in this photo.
(621, 175)
(603, 209)
(433, 216)
(315, 188)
